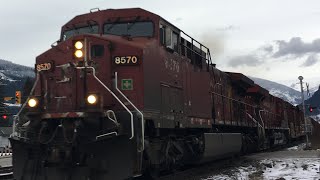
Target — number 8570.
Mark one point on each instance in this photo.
(123, 60)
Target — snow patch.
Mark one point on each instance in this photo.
(299, 147)
(4, 77)
(316, 118)
(238, 173)
(285, 95)
(12, 105)
(292, 168)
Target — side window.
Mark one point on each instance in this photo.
(162, 34)
(175, 37)
(169, 38)
(97, 50)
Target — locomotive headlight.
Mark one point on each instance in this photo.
(32, 102)
(78, 50)
(92, 99)
(78, 54)
(78, 45)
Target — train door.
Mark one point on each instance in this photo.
(59, 89)
(177, 105)
(171, 106)
(166, 106)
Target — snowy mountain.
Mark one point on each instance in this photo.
(314, 102)
(279, 90)
(11, 70)
(13, 76)
(314, 84)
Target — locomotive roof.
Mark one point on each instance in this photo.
(241, 79)
(102, 16)
(258, 90)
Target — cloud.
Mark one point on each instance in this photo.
(214, 41)
(228, 28)
(311, 60)
(296, 47)
(178, 19)
(245, 60)
(267, 48)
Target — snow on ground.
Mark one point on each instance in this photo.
(317, 118)
(274, 169)
(291, 164)
(242, 173)
(291, 169)
(297, 148)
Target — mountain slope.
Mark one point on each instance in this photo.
(294, 84)
(279, 90)
(13, 77)
(314, 101)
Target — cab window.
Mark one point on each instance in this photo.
(132, 29)
(82, 30)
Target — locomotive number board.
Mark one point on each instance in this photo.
(43, 67)
(126, 60)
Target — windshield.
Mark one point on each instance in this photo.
(83, 30)
(133, 29)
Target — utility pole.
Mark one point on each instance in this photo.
(304, 111)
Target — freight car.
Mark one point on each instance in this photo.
(124, 92)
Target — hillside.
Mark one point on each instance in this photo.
(13, 76)
(294, 84)
(314, 101)
(279, 90)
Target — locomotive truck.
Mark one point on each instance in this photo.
(124, 92)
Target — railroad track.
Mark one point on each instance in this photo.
(6, 172)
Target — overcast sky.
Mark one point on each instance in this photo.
(272, 39)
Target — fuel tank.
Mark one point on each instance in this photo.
(221, 145)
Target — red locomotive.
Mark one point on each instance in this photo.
(125, 92)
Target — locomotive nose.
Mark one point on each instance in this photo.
(63, 86)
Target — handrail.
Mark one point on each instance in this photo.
(200, 44)
(253, 119)
(16, 117)
(107, 134)
(127, 99)
(261, 117)
(195, 52)
(232, 99)
(114, 116)
(112, 93)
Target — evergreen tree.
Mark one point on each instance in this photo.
(27, 88)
